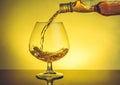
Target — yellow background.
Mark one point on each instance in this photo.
(94, 39)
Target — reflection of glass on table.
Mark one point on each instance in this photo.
(71, 77)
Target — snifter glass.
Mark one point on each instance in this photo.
(49, 44)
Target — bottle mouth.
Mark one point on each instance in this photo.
(65, 7)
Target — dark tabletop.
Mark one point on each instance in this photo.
(71, 77)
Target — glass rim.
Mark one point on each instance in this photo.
(51, 22)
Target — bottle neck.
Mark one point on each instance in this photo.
(77, 6)
(65, 7)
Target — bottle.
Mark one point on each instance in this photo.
(106, 8)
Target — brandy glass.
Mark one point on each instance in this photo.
(49, 42)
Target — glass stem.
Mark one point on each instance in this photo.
(49, 82)
(49, 68)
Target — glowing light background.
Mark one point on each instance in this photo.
(94, 39)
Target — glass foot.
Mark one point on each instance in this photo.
(49, 76)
